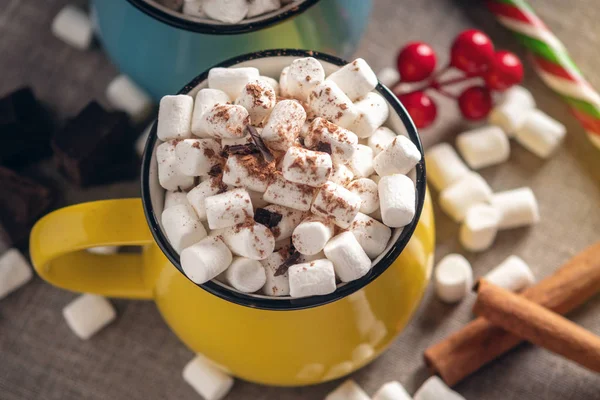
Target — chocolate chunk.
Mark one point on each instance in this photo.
(94, 146)
(267, 218)
(323, 147)
(267, 155)
(215, 170)
(25, 129)
(240, 149)
(291, 260)
(22, 202)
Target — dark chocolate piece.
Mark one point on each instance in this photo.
(267, 218)
(323, 147)
(266, 153)
(215, 170)
(288, 262)
(240, 149)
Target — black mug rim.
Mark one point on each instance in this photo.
(288, 304)
(219, 29)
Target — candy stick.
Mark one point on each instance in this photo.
(552, 62)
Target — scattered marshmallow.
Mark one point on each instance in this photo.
(195, 8)
(517, 208)
(341, 174)
(103, 250)
(227, 209)
(271, 82)
(311, 235)
(206, 259)
(361, 162)
(276, 285)
(290, 219)
(249, 171)
(313, 278)
(520, 96)
(392, 391)
(509, 117)
(175, 117)
(283, 82)
(435, 389)
(259, 7)
(73, 26)
(170, 176)
(348, 390)
(388, 76)
(306, 167)
(381, 139)
(453, 278)
(399, 157)
(175, 199)
(372, 235)
(304, 75)
(197, 156)
(356, 79)
(444, 166)
(328, 101)
(246, 275)
(467, 191)
(231, 80)
(259, 98)
(397, 200)
(88, 314)
(224, 121)
(206, 99)
(512, 274)
(284, 125)
(207, 379)
(182, 226)
(123, 94)
(228, 11)
(338, 203)
(478, 230)
(373, 111)
(349, 259)
(253, 240)
(14, 272)
(540, 133)
(197, 196)
(289, 194)
(367, 190)
(342, 141)
(483, 147)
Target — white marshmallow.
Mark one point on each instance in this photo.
(284, 125)
(397, 200)
(373, 111)
(290, 219)
(399, 157)
(271, 82)
(311, 235)
(140, 142)
(478, 230)
(519, 95)
(14, 272)
(88, 314)
(197, 196)
(206, 99)
(467, 191)
(123, 94)
(343, 142)
(304, 75)
(512, 274)
(328, 101)
(453, 278)
(306, 167)
(341, 175)
(206, 259)
(73, 26)
(259, 98)
(283, 83)
(509, 117)
(361, 162)
(540, 133)
(483, 147)
(175, 199)
(207, 379)
(182, 226)
(249, 171)
(314, 278)
(338, 203)
(356, 79)
(228, 11)
(253, 241)
(235, 141)
(246, 275)
(231, 80)
(349, 259)
(392, 391)
(367, 190)
(169, 172)
(224, 121)
(289, 194)
(435, 389)
(444, 167)
(372, 235)
(257, 199)
(196, 157)
(380, 139)
(276, 285)
(228, 209)
(517, 208)
(388, 76)
(103, 250)
(175, 117)
(195, 8)
(348, 390)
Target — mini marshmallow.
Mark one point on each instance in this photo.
(196, 157)
(289, 194)
(290, 219)
(88, 314)
(206, 259)
(341, 175)
(509, 117)
(175, 199)
(467, 191)
(483, 147)
(175, 117)
(380, 139)
(311, 235)
(73, 26)
(197, 196)
(328, 101)
(356, 79)
(195, 8)
(249, 171)
(478, 230)
(228, 11)
(169, 173)
(392, 391)
(14, 272)
(306, 167)
(343, 142)
(373, 111)
(349, 259)
(372, 235)
(284, 125)
(253, 241)
(444, 166)
(338, 203)
(399, 157)
(512, 274)
(126, 96)
(246, 275)
(207, 379)
(361, 162)
(259, 98)
(367, 190)
(271, 82)
(228, 209)
(182, 226)
(388, 76)
(348, 390)
(231, 80)
(224, 121)
(517, 208)
(397, 200)
(140, 142)
(520, 96)
(453, 278)
(283, 83)
(304, 75)
(435, 389)
(313, 278)
(206, 99)
(276, 285)
(540, 133)
(103, 250)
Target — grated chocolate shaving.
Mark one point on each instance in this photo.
(291, 260)
(323, 147)
(267, 155)
(215, 170)
(267, 218)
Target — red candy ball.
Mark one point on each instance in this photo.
(472, 52)
(416, 62)
(421, 108)
(505, 71)
(475, 102)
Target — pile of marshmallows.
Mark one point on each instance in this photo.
(226, 11)
(281, 160)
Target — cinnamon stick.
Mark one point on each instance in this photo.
(537, 324)
(480, 342)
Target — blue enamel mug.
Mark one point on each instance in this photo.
(162, 50)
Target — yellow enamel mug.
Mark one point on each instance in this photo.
(275, 341)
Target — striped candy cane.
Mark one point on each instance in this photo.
(552, 62)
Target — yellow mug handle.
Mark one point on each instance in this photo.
(58, 242)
